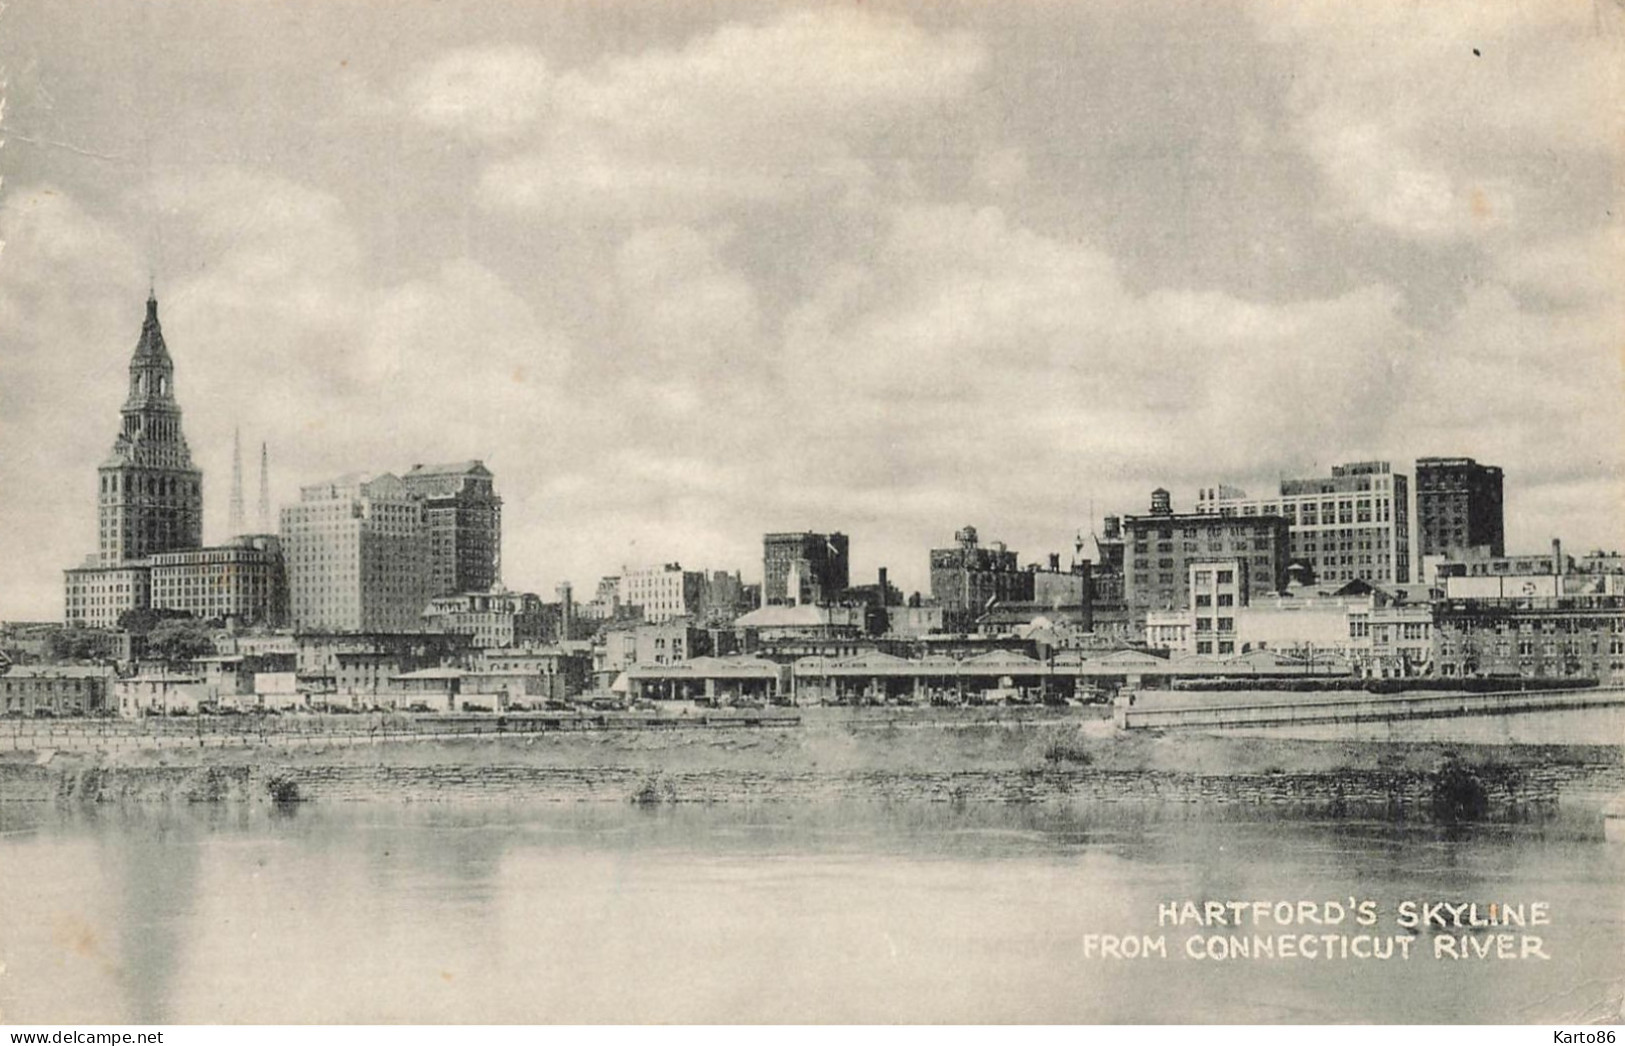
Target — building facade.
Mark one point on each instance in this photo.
(463, 517)
(1579, 637)
(666, 643)
(804, 568)
(664, 591)
(97, 596)
(1352, 525)
(241, 582)
(353, 664)
(1458, 506)
(969, 577)
(1162, 547)
(493, 620)
(357, 555)
(51, 690)
(1376, 634)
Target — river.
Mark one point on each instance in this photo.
(375, 912)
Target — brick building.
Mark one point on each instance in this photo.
(968, 578)
(818, 565)
(52, 690)
(1161, 547)
(1581, 637)
(1458, 506)
(462, 515)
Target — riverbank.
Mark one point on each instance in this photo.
(1076, 758)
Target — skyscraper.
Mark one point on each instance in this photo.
(1458, 506)
(463, 516)
(357, 556)
(151, 495)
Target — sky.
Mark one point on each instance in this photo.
(683, 273)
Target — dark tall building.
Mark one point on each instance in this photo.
(1161, 546)
(151, 495)
(1459, 506)
(818, 562)
(463, 517)
(969, 576)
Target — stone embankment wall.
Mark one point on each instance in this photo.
(1490, 792)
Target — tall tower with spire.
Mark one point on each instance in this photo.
(265, 493)
(234, 521)
(150, 494)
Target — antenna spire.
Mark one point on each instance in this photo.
(265, 493)
(235, 524)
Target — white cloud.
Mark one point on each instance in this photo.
(492, 92)
(748, 113)
(71, 295)
(1448, 120)
(681, 304)
(1003, 169)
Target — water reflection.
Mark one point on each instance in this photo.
(769, 912)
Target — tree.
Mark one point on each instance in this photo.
(74, 644)
(179, 639)
(144, 620)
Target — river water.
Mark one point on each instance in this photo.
(768, 913)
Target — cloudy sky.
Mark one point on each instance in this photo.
(684, 273)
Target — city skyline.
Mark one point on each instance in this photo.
(1004, 272)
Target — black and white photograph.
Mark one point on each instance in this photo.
(812, 512)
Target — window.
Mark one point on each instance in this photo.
(1226, 599)
(1227, 624)
(1204, 600)
(1227, 577)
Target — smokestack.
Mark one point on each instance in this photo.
(566, 609)
(1557, 557)
(883, 587)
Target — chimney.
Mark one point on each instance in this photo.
(1557, 557)
(567, 609)
(883, 587)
